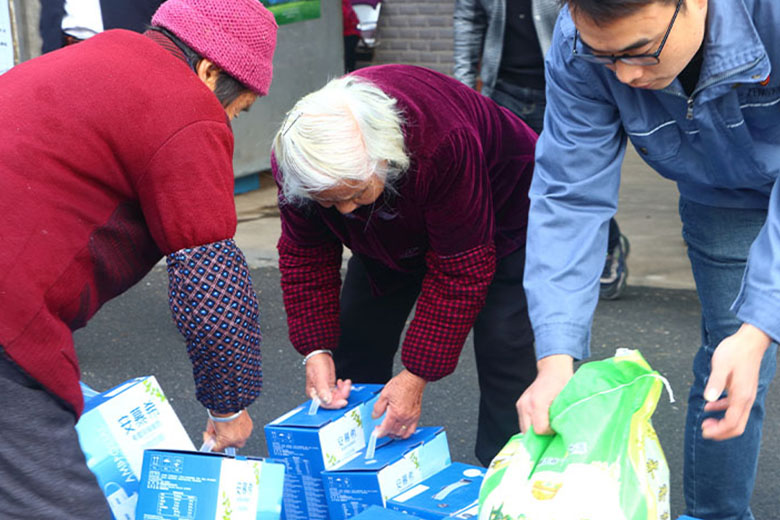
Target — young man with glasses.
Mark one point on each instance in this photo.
(688, 82)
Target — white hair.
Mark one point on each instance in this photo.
(342, 133)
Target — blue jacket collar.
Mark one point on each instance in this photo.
(733, 49)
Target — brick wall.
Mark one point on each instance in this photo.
(416, 32)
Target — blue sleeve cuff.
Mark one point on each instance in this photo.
(562, 338)
(759, 310)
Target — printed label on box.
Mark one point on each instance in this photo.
(190, 485)
(397, 466)
(115, 429)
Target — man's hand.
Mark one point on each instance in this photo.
(401, 398)
(735, 367)
(533, 407)
(233, 433)
(321, 382)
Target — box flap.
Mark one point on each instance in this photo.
(300, 418)
(218, 455)
(448, 492)
(389, 451)
(380, 513)
(97, 400)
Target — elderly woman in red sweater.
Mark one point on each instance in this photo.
(117, 152)
(426, 182)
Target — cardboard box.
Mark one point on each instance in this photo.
(204, 486)
(397, 466)
(115, 429)
(380, 513)
(87, 392)
(309, 444)
(451, 493)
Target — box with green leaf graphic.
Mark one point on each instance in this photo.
(309, 444)
(397, 466)
(191, 485)
(115, 429)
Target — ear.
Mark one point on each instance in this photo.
(208, 73)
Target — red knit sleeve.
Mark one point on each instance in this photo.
(311, 281)
(186, 192)
(453, 292)
(454, 186)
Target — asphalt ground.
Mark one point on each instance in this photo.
(134, 335)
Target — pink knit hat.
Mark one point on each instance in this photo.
(239, 36)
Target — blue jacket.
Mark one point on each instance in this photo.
(721, 146)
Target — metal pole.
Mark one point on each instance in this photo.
(14, 33)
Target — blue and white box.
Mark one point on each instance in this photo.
(397, 466)
(309, 444)
(191, 485)
(115, 429)
(451, 493)
(380, 513)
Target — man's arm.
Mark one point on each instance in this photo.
(469, 24)
(736, 362)
(573, 194)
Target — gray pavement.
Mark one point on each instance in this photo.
(134, 335)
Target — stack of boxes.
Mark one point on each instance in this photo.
(115, 429)
(321, 471)
(328, 476)
(147, 467)
(310, 444)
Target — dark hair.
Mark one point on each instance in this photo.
(606, 11)
(227, 88)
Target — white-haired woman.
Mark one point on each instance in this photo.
(426, 182)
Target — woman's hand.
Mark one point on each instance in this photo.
(233, 433)
(321, 382)
(401, 398)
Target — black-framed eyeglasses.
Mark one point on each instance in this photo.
(630, 59)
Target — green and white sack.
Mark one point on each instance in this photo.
(603, 463)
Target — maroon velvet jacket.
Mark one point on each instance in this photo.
(462, 204)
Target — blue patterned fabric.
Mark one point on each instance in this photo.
(215, 308)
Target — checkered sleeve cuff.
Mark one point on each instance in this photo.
(311, 281)
(215, 308)
(453, 292)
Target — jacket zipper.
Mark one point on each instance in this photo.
(709, 83)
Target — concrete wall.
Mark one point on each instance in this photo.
(307, 55)
(416, 32)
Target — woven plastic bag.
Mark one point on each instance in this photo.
(603, 463)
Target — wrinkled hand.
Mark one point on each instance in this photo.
(735, 367)
(401, 398)
(321, 382)
(234, 433)
(533, 407)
